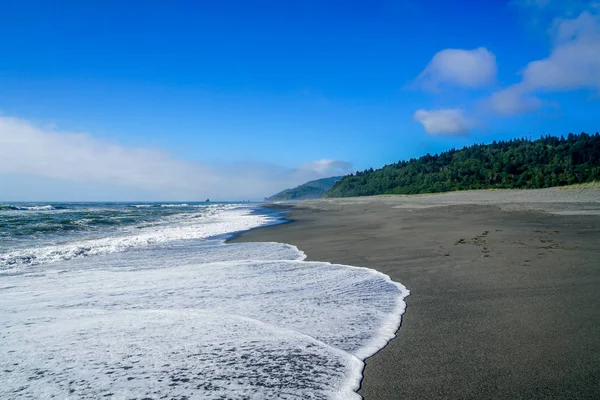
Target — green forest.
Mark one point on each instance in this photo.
(514, 164)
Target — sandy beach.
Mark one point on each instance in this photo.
(505, 288)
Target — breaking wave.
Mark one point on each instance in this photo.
(146, 312)
(27, 208)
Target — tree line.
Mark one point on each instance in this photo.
(515, 164)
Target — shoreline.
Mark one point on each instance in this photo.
(498, 286)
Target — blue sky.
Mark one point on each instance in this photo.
(129, 100)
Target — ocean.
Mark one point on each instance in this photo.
(146, 301)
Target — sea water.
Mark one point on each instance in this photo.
(146, 301)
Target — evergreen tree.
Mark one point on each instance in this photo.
(519, 163)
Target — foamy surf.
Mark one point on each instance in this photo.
(179, 227)
(196, 319)
(26, 208)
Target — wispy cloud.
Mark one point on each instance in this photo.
(326, 166)
(29, 150)
(556, 7)
(458, 67)
(573, 63)
(512, 100)
(444, 121)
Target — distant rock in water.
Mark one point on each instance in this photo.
(310, 190)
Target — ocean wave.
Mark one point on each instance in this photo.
(187, 226)
(27, 208)
(176, 205)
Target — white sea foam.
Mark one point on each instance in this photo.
(38, 208)
(29, 208)
(178, 227)
(196, 319)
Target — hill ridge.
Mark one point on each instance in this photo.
(314, 189)
(515, 164)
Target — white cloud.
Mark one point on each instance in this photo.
(458, 67)
(327, 166)
(27, 150)
(573, 63)
(513, 100)
(444, 121)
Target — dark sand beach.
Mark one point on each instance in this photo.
(505, 288)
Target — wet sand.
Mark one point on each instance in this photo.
(505, 288)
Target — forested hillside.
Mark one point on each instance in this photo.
(521, 163)
(310, 190)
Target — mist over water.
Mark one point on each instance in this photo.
(146, 301)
